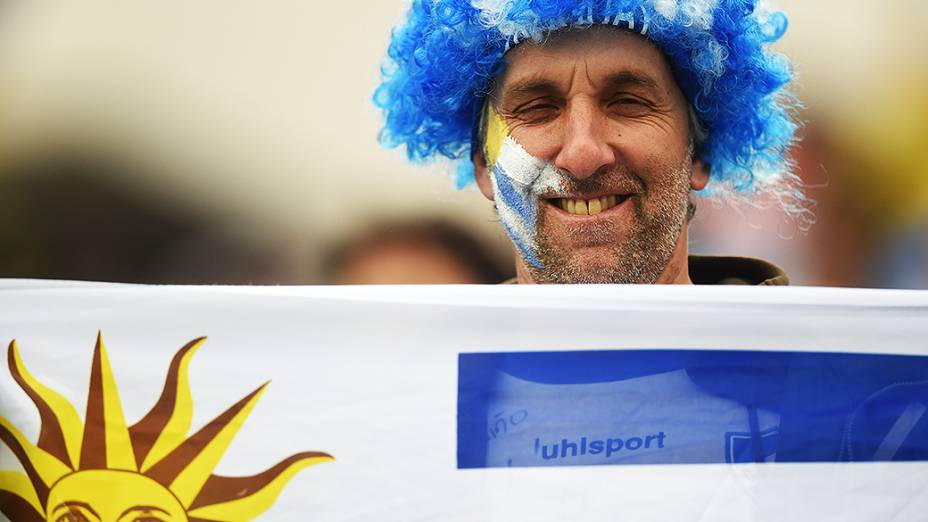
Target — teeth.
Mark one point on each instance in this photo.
(584, 207)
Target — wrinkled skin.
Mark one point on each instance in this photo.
(602, 106)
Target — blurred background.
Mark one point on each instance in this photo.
(235, 142)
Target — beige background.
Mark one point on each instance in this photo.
(259, 113)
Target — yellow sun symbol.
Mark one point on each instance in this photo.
(103, 470)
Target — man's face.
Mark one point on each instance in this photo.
(599, 107)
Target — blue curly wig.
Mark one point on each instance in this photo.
(442, 60)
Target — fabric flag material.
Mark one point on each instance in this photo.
(124, 402)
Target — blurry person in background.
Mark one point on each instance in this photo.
(904, 263)
(871, 226)
(414, 252)
(589, 124)
(74, 216)
(883, 195)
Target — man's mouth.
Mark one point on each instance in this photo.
(588, 207)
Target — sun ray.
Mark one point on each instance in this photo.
(61, 425)
(106, 442)
(220, 489)
(42, 467)
(176, 471)
(19, 485)
(187, 468)
(166, 426)
(253, 495)
(17, 509)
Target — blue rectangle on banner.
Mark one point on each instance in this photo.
(585, 408)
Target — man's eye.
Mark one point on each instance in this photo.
(147, 518)
(72, 516)
(535, 113)
(629, 106)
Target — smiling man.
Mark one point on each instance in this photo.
(589, 123)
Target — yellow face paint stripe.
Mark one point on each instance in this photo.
(497, 132)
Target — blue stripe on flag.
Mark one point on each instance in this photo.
(689, 407)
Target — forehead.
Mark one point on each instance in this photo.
(593, 55)
(112, 492)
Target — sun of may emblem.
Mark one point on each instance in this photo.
(102, 470)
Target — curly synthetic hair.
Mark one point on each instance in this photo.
(442, 60)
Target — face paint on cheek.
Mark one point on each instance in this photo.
(519, 181)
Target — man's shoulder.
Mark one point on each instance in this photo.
(722, 270)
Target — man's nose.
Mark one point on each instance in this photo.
(584, 149)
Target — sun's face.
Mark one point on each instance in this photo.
(100, 469)
(112, 496)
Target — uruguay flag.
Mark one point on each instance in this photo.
(130, 402)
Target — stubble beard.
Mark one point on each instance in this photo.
(636, 254)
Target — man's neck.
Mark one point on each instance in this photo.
(677, 271)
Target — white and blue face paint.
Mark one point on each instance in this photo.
(519, 182)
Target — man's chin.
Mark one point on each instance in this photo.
(589, 266)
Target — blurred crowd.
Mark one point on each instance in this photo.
(69, 217)
(102, 179)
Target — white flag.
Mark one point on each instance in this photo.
(602, 403)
